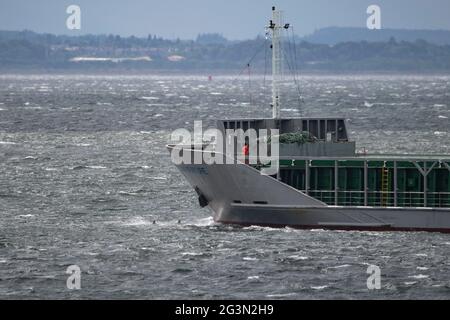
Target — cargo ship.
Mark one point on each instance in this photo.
(323, 183)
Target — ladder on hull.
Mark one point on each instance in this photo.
(384, 186)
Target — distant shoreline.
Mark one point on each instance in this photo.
(25, 52)
(205, 73)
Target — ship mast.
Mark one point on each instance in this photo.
(276, 26)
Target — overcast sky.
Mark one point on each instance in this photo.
(234, 19)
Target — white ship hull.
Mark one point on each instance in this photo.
(239, 194)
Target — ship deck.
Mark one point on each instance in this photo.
(377, 157)
(378, 180)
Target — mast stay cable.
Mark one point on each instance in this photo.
(293, 66)
(248, 65)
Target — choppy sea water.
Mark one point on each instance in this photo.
(84, 174)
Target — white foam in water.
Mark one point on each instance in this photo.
(259, 228)
(288, 229)
(192, 254)
(96, 167)
(26, 215)
(138, 221)
(249, 259)
(204, 222)
(340, 266)
(253, 277)
(7, 142)
(419, 276)
(33, 108)
(128, 193)
(149, 98)
(158, 178)
(319, 287)
(443, 117)
(422, 268)
(295, 257)
(155, 104)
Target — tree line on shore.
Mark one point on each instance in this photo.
(26, 49)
